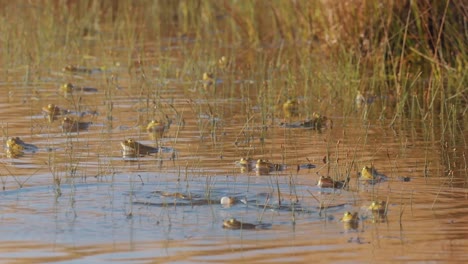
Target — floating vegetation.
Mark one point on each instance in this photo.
(179, 199)
(316, 122)
(307, 166)
(81, 69)
(69, 88)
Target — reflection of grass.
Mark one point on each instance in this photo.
(19, 180)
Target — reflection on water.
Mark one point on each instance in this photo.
(77, 189)
(77, 198)
(103, 202)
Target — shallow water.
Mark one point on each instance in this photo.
(77, 199)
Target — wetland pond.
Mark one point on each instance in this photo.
(75, 199)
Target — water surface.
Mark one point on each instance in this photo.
(78, 200)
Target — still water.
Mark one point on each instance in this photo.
(76, 199)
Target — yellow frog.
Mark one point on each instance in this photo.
(15, 147)
(53, 110)
(208, 80)
(371, 175)
(321, 121)
(15, 144)
(290, 108)
(131, 147)
(246, 164)
(156, 127)
(264, 167)
(367, 173)
(378, 206)
(223, 62)
(69, 88)
(349, 217)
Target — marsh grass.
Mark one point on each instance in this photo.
(409, 56)
(397, 51)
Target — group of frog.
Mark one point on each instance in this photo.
(15, 147)
(263, 167)
(368, 175)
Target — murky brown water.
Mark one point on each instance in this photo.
(106, 208)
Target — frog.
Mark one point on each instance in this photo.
(246, 164)
(328, 182)
(53, 110)
(317, 122)
(264, 167)
(132, 147)
(349, 217)
(378, 206)
(370, 175)
(156, 128)
(15, 147)
(233, 223)
(223, 62)
(290, 108)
